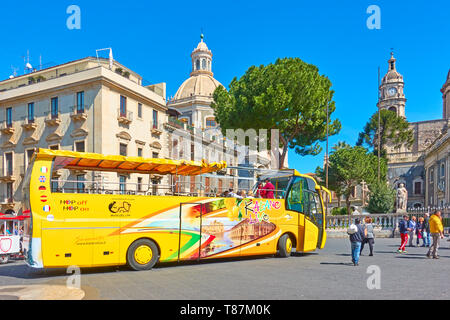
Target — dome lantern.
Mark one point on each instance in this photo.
(201, 59)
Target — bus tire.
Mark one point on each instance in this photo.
(142, 255)
(4, 258)
(284, 246)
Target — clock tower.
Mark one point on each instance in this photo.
(391, 96)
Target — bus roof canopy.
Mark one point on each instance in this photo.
(99, 162)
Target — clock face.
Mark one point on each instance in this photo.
(392, 91)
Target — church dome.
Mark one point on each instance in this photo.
(393, 75)
(201, 81)
(198, 85)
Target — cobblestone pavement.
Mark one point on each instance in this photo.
(325, 274)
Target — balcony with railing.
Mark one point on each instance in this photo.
(124, 117)
(7, 127)
(78, 113)
(53, 118)
(174, 123)
(8, 175)
(8, 202)
(29, 124)
(156, 128)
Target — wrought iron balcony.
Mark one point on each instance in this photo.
(124, 117)
(79, 113)
(29, 124)
(8, 176)
(175, 123)
(156, 128)
(53, 119)
(7, 127)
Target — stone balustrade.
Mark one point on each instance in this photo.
(385, 224)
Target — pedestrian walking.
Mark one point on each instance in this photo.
(357, 233)
(412, 224)
(403, 228)
(437, 233)
(426, 230)
(370, 235)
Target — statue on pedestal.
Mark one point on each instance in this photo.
(402, 198)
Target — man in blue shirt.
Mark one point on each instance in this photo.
(404, 229)
(355, 240)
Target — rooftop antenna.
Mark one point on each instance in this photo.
(28, 66)
(111, 59)
(14, 72)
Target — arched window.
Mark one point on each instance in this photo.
(209, 65)
(197, 64)
(203, 64)
(394, 109)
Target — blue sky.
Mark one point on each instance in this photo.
(155, 39)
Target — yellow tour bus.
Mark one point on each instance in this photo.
(96, 223)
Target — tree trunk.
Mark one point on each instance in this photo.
(347, 203)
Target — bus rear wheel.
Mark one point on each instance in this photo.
(284, 246)
(142, 255)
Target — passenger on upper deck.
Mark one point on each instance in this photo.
(234, 195)
(267, 190)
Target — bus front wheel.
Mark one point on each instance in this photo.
(142, 255)
(284, 246)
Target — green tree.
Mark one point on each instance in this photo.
(348, 167)
(382, 198)
(289, 95)
(394, 130)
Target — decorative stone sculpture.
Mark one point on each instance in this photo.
(402, 198)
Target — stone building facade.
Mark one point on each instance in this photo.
(89, 105)
(407, 165)
(437, 159)
(98, 105)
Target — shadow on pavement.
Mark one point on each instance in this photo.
(339, 263)
(23, 271)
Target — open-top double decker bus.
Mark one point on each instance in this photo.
(93, 223)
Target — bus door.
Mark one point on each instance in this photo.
(317, 214)
(299, 200)
(190, 231)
